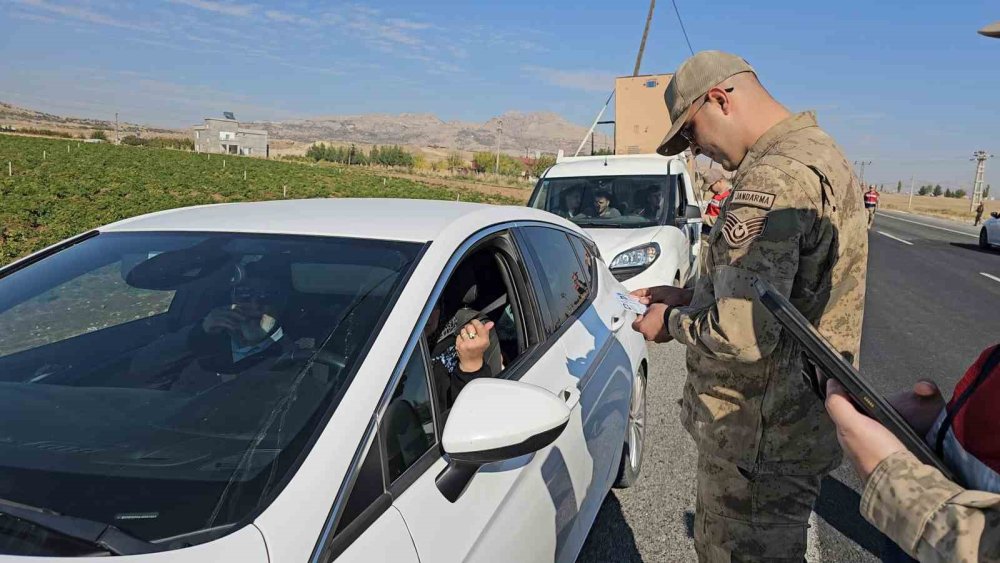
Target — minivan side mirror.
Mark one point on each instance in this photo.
(692, 214)
(495, 420)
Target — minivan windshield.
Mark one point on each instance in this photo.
(169, 383)
(608, 201)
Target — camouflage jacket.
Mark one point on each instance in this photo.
(930, 517)
(795, 219)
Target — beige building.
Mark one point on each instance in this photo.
(225, 136)
(641, 118)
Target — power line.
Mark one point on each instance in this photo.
(678, 12)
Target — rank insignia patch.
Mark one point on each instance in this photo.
(741, 233)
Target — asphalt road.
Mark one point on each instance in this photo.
(929, 312)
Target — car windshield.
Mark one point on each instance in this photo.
(168, 384)
(607, 201)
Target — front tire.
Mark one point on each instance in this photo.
(984, 239)
(635, 435)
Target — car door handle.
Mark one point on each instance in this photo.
(618, 321)
(571, 395)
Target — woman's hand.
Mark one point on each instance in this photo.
(471, 343)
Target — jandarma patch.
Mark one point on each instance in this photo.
(754, 199)
(741, 233)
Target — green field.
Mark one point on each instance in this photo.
(78, 186)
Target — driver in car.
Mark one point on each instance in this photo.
(231, 339)
(654, 202)
(602, 206)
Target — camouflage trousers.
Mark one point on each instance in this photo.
(741, 516)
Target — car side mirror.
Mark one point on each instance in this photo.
(495, 420)
(692, 214)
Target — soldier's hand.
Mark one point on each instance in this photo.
(666, 294)
(652, 325)
(920, 407)
(865, 442)
(471, 343)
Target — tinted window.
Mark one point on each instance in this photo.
(565, 281)
(408, 423)
(167, 383)
(367, 488)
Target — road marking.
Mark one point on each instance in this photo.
(926, 225)
(994, 278)
(895, 238)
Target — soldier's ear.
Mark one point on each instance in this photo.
(720, 97)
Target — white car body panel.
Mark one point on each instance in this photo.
(992, 226)
(679, 248)
(500, 516)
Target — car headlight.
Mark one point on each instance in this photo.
(638, 257)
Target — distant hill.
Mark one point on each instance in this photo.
(522, 132)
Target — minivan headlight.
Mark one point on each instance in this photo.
(638, 257)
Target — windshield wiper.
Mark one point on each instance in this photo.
(98, 534)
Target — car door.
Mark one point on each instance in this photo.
(523, 509)
(584, 317)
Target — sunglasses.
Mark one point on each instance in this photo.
(248, 294)
(687, 132)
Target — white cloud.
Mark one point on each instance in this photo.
(82, 14)
(239, 10)
(285, 17)
(585, 80)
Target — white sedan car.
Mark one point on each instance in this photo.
(989, 235)
(274, 382)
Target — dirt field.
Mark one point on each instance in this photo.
(955, 209)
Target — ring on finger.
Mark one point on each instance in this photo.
(470, 335)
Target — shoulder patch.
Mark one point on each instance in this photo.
(761, 200)
(741, 233)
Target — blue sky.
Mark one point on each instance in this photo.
(907, 85)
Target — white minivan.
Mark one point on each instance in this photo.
(640, 209)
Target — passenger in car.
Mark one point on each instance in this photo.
(572, 198)
(227, 342)
(464, 347)
(602, 206)
(654, 202)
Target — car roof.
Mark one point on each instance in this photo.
(613, 165)
(388, 219)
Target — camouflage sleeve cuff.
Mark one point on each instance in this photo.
(902, 495)
(675, 317)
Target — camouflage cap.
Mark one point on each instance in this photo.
(695, 76)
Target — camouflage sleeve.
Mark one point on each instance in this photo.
(928, 516)
(763, 223)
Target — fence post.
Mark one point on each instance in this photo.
(284, 191)
(43, 155)
(223, 163)
(10, 169)
(244, 174)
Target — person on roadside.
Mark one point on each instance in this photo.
(930, 517)
(871, 204)
(979, 214)
(764, 440)
(718, 184)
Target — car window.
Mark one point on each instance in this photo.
(408, 422)
(93, 301)
(586, 256)
(564, 280)
(622, 202)
(367, 488)
(219, 398)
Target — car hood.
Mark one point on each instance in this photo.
(613, 241)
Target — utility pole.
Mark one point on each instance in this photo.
(499, 132)
(977, 185)
(645, 33)
(910, 203)
(117, 140)
(862, 164)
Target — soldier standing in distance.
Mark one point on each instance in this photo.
(794, 219)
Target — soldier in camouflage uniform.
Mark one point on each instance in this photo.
(794, 219)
